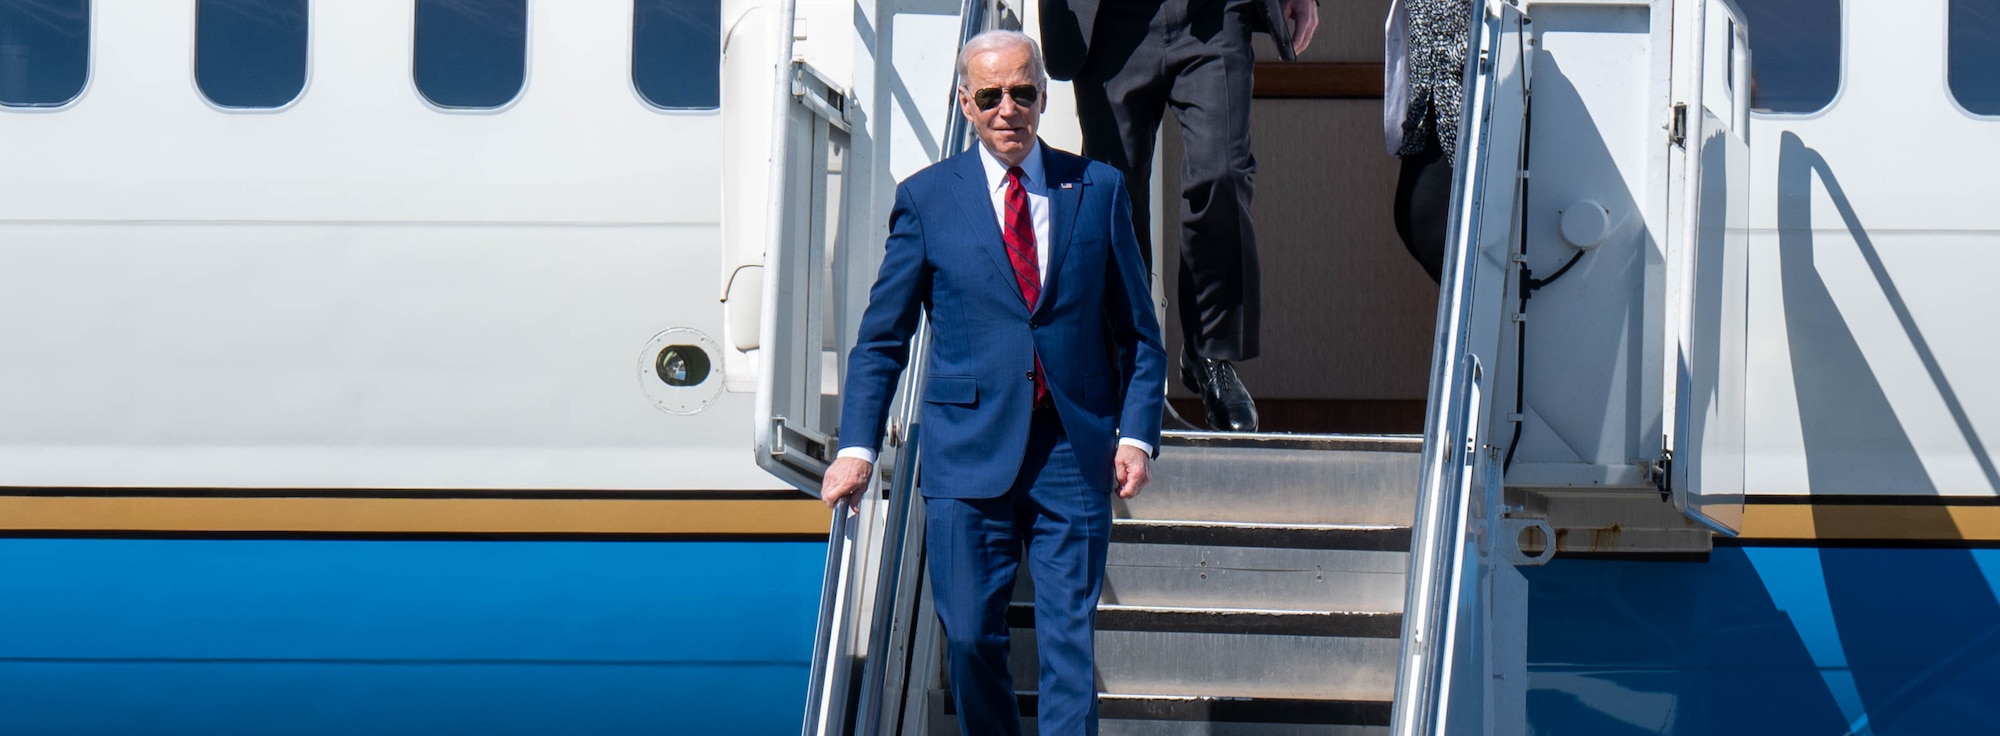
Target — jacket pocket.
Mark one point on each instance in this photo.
(951, 390)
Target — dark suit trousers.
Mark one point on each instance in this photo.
(1063, 528)
(1193, 56)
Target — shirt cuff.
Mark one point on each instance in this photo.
(1129, 442)
(866, 455)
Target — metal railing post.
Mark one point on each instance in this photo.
(1453, 419)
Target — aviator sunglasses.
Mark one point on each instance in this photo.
(987, 98)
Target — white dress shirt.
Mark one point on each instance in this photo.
(1034, 179)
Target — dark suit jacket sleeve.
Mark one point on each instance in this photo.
(882, 348)
(1129, 305)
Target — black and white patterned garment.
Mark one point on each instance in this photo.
(1438, 36)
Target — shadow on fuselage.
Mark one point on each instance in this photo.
(1870, 636)
(1903, 663)
(1854, 441)
(1764, 640)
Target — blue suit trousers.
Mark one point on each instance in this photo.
(1054, 518)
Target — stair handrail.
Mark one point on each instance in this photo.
(1450, 422)
(863, 710)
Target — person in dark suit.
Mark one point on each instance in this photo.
(1044, 389)
(1131, 60)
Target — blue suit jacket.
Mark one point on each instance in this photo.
(1094, 327)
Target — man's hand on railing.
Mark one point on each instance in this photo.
(846, 479)
(1134, 468)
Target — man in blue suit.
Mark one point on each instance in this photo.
(1044, 393)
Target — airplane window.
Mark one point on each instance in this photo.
(250, 53)
(1794, 54)
(677, 52)
(44, 51)
(471, 53)
(1973, 55)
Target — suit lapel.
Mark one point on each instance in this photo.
(977, 201)
(1065, 187)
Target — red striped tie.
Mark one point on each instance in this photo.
(1020, 236)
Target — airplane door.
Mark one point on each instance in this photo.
(1708, 296)
(810, 282)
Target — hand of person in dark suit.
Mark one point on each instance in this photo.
(846, 479)
(1134, 470)
(1304, 15)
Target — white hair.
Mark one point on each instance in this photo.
(994, 41)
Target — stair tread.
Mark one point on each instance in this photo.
(1221, 709)
(1247, 621)
(1282, 479)
(1370, 537)
(1243, 709)
(1277, 441)
(1263, 525)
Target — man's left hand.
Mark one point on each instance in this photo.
(1304, 15)
(1134, 468)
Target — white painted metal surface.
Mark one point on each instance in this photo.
(358, 291)
(1872, 234)
(1591, 411)
(1708, 283)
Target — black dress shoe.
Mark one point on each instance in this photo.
(1230, 408)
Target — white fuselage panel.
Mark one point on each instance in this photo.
(1873, 256)
(361, 289)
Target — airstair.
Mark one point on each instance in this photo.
(1258, 582)
(1296, 584)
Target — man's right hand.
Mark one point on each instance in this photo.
(846, 478)
(1304, 15)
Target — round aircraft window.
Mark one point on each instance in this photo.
(678, 372)
(682, 365)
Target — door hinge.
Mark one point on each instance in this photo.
(1663, 474)
(1677, 134)
(813, 445)
(825, 98)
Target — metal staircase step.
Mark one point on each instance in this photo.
(1253, 577)
(1291, 441)
(1257, 621)
(1281, 479)
(1222, 652)
(1383, 537)
(1175, 715)
(1324, 567)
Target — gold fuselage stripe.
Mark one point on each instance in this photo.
(1876, 522)
(1776, 522)
(500, 516)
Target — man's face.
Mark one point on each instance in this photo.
(1008, 128)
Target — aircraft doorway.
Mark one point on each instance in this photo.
(1347, 313)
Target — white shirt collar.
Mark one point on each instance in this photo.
(1031, 166)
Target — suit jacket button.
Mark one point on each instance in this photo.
(1031, 375)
